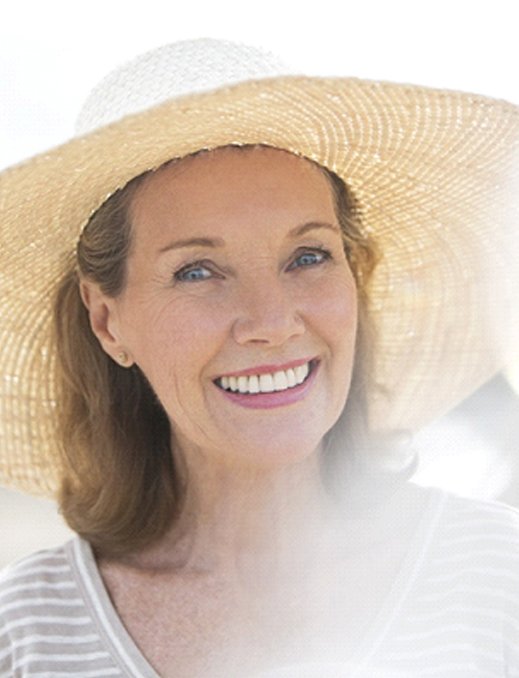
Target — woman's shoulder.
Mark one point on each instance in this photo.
(435, 513)
(45, 622)
(465, 523)
(31, 585)
(43, 582)
(39, 570)
(460, 588)
(473, 544)
(480, 519)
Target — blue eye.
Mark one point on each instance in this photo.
(193, 273)
(310, 258)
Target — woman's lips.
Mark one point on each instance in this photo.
(270, 389)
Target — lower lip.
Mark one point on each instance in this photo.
(267, 401)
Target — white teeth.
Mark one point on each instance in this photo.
(280, 381)
(254, 385)
(301, 373)
(267, 383)
(243, 384)
(291, 378)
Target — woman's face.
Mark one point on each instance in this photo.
(237, 282)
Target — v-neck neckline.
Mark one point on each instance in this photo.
(132, 661)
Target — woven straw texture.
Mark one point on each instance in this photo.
(437, 177)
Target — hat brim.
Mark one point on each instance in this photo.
(436, 174)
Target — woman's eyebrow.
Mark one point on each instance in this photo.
(193, 242)
(302, 229)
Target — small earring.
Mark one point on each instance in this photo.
(122, 358)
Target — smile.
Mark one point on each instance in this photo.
(270, 382)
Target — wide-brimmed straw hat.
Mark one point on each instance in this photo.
(435, 174)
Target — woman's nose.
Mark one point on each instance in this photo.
(267, 314)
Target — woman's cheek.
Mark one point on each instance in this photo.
(333, 299)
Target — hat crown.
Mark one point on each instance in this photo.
(171, 71)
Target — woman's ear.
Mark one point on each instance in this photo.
(104, 321)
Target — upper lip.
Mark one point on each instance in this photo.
(265, 369)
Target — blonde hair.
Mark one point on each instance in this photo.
(120, 489)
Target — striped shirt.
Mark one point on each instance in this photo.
(452, 612)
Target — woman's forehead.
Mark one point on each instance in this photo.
(233, 159)
(251, 183)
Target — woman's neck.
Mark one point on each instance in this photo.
(241, 521)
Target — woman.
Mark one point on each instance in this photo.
(267, 291)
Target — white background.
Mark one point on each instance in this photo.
(53, 51)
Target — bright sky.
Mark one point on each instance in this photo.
(53, 51)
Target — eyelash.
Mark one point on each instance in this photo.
(324, 254)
